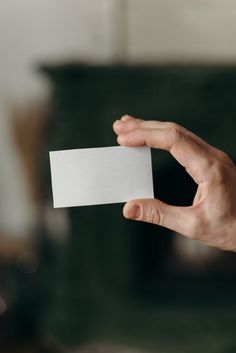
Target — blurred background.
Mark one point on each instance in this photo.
(85, 279)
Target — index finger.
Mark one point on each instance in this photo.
(132, 123)
(188, 152)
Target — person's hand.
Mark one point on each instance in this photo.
(212, 216)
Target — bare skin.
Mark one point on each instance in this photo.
(212, 216)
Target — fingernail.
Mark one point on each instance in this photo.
(125, 118)
(118, 122)
(134, 212)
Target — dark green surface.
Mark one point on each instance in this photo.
(187, 316)
(108, 263)
(88, 99)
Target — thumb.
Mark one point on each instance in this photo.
(178, 219)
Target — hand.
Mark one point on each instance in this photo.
(212, 216)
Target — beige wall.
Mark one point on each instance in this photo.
(197, 30)
(32, 31)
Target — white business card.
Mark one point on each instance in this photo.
(93, 176)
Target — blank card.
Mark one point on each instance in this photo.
(93, 176)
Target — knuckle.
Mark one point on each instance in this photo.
(219, 172)
(172, 126)
(174, 130)
(153, 215)
(224, 157)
